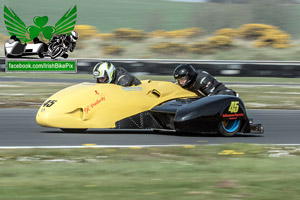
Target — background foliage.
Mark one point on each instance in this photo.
(224, 29)
(150, 15)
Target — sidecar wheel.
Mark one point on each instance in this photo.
(229, 128)
(41, 55)
(73, 130)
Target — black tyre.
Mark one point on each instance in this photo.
(228, 127)
(73, 130)
(56, 52)
(41, 55)
(65, 55)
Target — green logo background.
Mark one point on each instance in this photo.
(16, 26)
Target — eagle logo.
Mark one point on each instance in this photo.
(15, 26)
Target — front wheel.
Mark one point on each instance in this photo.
(73, 130)
(57, 51)
(228, 127)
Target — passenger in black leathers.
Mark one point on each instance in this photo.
(200, 82)
(106, 72)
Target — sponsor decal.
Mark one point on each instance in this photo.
(233, 116)
(129, 89)
(208, 84)
(92, 105)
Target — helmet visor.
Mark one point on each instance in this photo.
(96, 74)
(74, 36)
(74, 39)
(182, 81)
(103, 79)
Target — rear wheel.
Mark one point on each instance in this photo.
(65, 55)
(228, 127)
(73, 130)
(41, 55)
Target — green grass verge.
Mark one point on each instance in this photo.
(46, 75)
(236, 171)
(153, 77)
(32, 94)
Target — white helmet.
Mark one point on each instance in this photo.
(74, 36)
(104, 72)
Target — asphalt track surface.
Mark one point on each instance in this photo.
(19, 129)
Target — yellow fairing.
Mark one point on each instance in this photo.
(91, 105)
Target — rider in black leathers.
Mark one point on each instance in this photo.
(106, 72)
(68, 40)
(200, 82)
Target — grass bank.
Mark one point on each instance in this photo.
(264, 95)
(235, 171)
(160, 14)
(167, 15)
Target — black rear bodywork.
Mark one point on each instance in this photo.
(198, 115)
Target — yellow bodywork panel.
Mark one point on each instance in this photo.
(92, 105)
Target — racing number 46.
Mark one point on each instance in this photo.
(234, 107)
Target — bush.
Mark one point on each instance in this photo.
(157, 33)
(86, 31)
(113, 50)
(184, 33)
(229, 32)
(201, 47)
(129, 34)
(275, 39)
(266, 35)
(106, 36)
(220, 41)
(254, 31)
(168, 47)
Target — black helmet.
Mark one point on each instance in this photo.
(184, 74)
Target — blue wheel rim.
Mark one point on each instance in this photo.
(231, 125)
